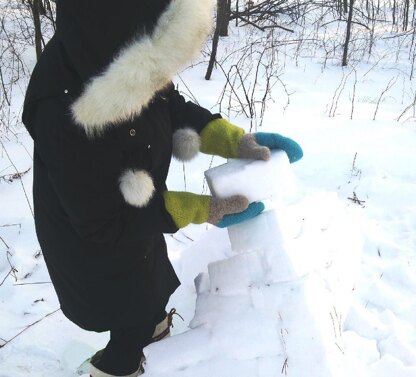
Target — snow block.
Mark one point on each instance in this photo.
(261, 233)
(236, 274)
(257, 180)
(202, 283)
(264, 233)
(262, 256)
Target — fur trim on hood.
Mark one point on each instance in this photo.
(144, 67)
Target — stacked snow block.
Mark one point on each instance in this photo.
(257, 180)
(259, 312)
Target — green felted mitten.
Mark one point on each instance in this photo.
(187, 208)
(220, 137)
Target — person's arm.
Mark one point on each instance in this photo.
(188, 114)
(196, 130)
(188, 120)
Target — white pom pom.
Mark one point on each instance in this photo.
(137, 187)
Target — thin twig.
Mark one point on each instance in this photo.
(11, 177)
(391, 83)
(355, 200)
(8, 225)
(5, 244)
(21, 182)
(176, 239)
(8, 274)
(186, 236)
(28, 327)
(189, 90)
(35, 283)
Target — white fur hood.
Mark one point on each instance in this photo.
(144, 67)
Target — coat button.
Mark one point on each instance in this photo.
(132, 132)
(66, 91)
(149, 146)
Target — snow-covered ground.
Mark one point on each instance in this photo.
(369, 164)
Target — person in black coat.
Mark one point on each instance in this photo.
(105, 119)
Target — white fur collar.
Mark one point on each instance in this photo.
(144, 67)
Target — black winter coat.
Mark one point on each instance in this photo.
(102, 112)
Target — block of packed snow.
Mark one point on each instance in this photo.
(257, 180)
(263, 233)
(236, 274)
(202, 283)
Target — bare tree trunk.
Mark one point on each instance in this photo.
(49, 13)
(414, 16)
(215, 41)
(345, 4)
(221, 30)
(223, 14)
(348, 34)
(406, 14)
(36, 8)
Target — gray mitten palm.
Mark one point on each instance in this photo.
(228, 206)
(250, 149)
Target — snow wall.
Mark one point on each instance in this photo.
(277, 305)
